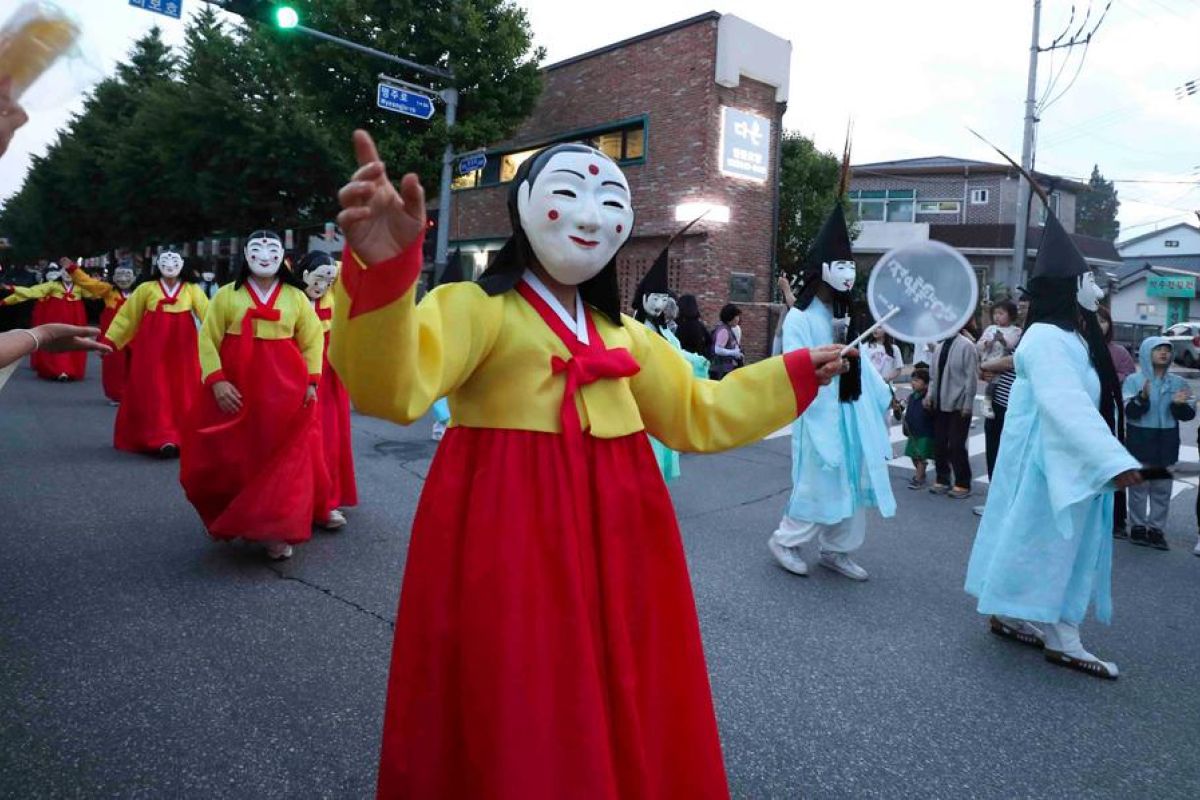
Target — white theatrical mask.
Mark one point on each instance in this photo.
(318, 280)
(170, 264)
(57, 274)
(839, 274)
(576, 215)
(1088, 294)
(264, 256)
(656, 304)
(123, 277)
(208, 276)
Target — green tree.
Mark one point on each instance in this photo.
(808, 191)
(1096, 213)
(487, 43)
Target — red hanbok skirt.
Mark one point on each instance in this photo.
(163, 382)
(334, 405)
(114, 368)
(259, 474)
(51, 365)
(536, 660)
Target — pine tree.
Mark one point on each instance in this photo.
(1097, 208)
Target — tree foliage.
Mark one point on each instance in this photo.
(247, 126)
(1096, 213)
(808, 191)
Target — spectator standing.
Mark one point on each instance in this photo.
(727, 343)
(1125, 366)
(918, 427)
(1155, 403)
(955, 376)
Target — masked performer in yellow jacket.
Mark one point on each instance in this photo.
(546, 644)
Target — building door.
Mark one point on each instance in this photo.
(1177, 310)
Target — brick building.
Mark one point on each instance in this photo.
(693, 113)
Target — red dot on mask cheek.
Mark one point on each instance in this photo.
(592, 168)
(553, 214)
(620, 228)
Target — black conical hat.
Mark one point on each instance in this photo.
(654, 281)
(1057, 256)
(831, 244)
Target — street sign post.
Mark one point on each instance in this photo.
(402, 101)
(471, 162)
(168, 8)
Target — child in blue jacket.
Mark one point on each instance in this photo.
(1155, 403)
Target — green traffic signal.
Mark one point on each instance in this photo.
(286, 17)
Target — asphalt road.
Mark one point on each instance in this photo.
(139, 659)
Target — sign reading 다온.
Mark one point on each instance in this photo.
(745, 144)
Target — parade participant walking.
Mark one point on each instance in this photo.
(58, 300)
(840, 447)
(114, 369)
(546, 642)
(656, 308)
(955, 375)
(1043, 553)
(252, 463)
(1155, 403)
(158, 325)
(692, 333)
(318, 270)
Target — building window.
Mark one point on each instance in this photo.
(1146, 310)
(884, 205)
(979, 197)
(1042, 207)
(938, 207)
(623, 144)
(1171, 243)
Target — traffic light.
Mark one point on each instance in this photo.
(281, 15)
(286, 17)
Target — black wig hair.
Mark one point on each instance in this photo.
(313, 259)
(285, 274)
(509, 264)
(729, 313)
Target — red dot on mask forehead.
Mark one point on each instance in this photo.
(592, 168)
(553, 214)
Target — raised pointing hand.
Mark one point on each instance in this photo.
(379, 221)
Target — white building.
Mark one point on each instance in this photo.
(1157, 284)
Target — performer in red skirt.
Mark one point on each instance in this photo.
(114, 368)
(58, 300)
(546, 643)
(160, 320)
(252, 463)
(318, 270)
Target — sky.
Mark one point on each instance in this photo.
(913, 76)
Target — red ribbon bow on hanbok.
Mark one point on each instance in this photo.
(259, 310)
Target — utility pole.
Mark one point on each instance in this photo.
(1021, 226)
(441, 256)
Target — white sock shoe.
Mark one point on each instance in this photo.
(788, 557)
(278, 551)
(1064, 647)
(842, 564)
(336, 521)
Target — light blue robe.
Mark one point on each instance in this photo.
(1044, 547)
(668, 459)
(840, 451)
(441, 411)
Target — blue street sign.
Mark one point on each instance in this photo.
(168, 8)
(471, 163)
(404, 102)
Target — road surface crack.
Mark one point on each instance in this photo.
(753, 500)
(391, 623)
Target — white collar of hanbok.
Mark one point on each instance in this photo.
(263, 297)
(576, 323)
(167, 293)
